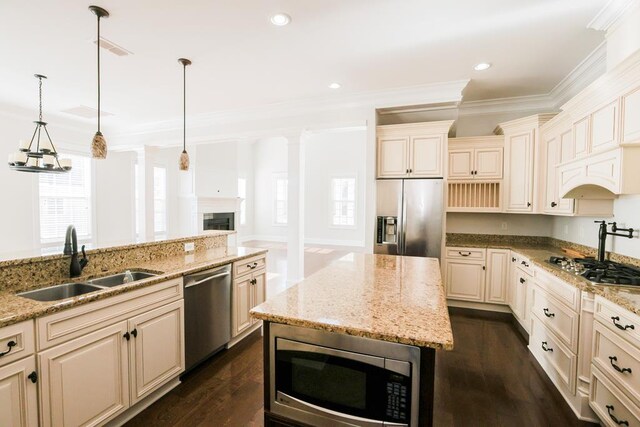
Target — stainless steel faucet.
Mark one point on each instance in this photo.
(71, 248)
(603, 233)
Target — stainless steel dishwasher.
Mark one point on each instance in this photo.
(207, 313)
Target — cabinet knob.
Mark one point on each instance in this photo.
(513, 259)
(134, 333)
(528, 204)
(522, 280)
(33, 376)
(554, 204)
(127, 335)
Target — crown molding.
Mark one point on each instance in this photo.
(500, 105)
(611, 14)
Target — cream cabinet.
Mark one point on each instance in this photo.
(98, 359)
(249, 290)
(558, 149)
(18, 393)
(477, 274)
(631, 117)
(598, 130)
(412, 150)
(478, 158)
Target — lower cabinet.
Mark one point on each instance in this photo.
(249, 290)
(18, 393)
(91, 379)
(477, 275)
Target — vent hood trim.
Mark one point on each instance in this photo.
(590, 191)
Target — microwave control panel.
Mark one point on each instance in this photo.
(397, 401)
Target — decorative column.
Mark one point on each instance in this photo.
(295, 207)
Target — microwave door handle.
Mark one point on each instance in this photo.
(282, 344)
(309, 407)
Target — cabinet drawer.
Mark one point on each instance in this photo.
(466, 253)
(249, 265)
(558, 361)
(618, 359)
(16, 341)
(609, 402)
(558, 289)
(557, 317)
(75, 322)
(622, 322)
(525, 265)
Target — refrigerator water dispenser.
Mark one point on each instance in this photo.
(387, 230)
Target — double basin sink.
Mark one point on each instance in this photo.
(69, 290)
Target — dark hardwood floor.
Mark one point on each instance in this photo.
(490, 379)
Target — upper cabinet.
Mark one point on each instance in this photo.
(476, 158)
(520, 144)
(631, 116)
(413, 150)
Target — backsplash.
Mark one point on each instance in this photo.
(54, 269)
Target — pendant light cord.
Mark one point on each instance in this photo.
(184, 107)
(98, 50)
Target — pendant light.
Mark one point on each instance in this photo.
(184, 156)
(41, 156)
(99, 144)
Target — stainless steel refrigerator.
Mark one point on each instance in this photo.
(409, 217)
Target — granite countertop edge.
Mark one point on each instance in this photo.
(30, 309)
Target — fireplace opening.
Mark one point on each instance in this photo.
(218, 221)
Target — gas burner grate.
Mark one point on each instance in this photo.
(607, 272)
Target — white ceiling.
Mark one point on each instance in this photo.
(242, 61)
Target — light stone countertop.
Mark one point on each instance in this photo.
(625, 296)
(389, 298)
(14, 309)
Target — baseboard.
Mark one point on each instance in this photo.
(480, 306)
(130, 413)
(481, 314)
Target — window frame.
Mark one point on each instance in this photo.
(276, 177)
(332, 201)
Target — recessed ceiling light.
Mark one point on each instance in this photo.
(482, 66)
(280, 19)
(334, 86)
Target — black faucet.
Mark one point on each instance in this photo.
(71, 248)
(603, 233)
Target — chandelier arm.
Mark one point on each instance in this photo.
(38, 142)
(53, 147)
(34, 135)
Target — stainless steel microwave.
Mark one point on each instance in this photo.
(329, 379)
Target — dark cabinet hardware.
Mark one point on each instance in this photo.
(10, 344)
(613, 417)
(554, 204)
(252, 266)
(467, 254)
(524, 263)
(546, 313)
(33, 376)
(545, 348)
(407, 171)
(513, 259)
(484, 267)
(410, 170)
(134, 333)
(528, 204)
(616, 367)
(522, 280)
(127, 336)
(616, 319)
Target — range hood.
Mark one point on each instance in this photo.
(601, 176)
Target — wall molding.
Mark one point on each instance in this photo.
(611, 14)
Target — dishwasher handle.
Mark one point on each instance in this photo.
(206, 279)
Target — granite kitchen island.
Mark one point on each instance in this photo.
(354, 344)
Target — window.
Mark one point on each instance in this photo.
(280, 208)
(343, 202)
(65, 199)
(242, 193)
(160, 202)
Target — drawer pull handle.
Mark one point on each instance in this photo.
(616, 319)
(522, 280)
(524, 263)
(613, 417)
(616, 367)
(10, 344)
(546, 313)
(252, 266)
(545, 348)
(467, 254)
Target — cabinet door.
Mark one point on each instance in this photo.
(157, 348)
(425, 156)
(565, 206)
(465, 280)
(581, 137)
(460, 164)
(242, 297)
(552, 151)
(259, 290)
(85, 381)
(393, 157)
(631, 117)
(497, 275)
(604, 127)
(18, 394)
(520, 179)
(488, 163)
(511, 281)
(520, 297)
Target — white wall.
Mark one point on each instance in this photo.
(245, 164)
(269, 158)
(484, 124)
(327, 155)
(585, 232)
(490, 223)
(623, 39)
(216, 170)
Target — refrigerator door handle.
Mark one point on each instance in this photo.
(403, 241)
